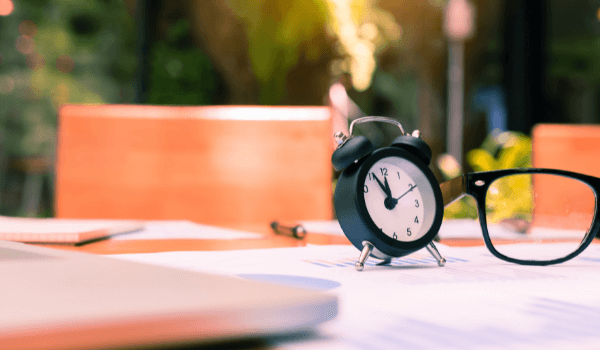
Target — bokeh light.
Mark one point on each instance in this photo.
(35, 61)
(28, 28)
(60, 94)
(25, 45)
(361, 35)
(65, 64)
(7, 85)
(6, 7)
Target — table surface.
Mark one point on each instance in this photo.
(269, 240)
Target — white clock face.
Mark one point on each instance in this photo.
(399, 199)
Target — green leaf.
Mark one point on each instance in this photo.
(481, 160)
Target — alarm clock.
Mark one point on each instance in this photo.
(387, 200)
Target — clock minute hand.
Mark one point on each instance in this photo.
(389, 202)
(412, 187)
(387, 186)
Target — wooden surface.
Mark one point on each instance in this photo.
(108, 247)
(268, 240)
(213, 165)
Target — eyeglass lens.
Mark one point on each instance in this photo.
(534, 208)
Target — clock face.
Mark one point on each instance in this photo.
(399, 199)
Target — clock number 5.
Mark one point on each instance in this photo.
(408, 231)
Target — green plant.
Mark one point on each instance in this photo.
(281, 32)
(508, 198)
(181, 74)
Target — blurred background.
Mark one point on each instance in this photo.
(472, 69)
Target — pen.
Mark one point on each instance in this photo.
(295, 231)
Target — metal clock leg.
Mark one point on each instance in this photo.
(364, 255)
(384, 262)
(433, 251)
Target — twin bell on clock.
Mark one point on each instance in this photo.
(387, 200)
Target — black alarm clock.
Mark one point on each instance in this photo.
(387, 200)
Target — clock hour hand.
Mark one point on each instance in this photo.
(389, 202)
(384, 187)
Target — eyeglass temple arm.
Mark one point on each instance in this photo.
(453, 189)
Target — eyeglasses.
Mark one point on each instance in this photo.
(531, 206)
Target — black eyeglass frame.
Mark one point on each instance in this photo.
(477, 184)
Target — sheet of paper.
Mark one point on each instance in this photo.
(476, 301)
(184, 230)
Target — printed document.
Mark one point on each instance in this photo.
(475, 301)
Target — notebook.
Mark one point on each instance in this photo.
(55, 299)
(69, 231)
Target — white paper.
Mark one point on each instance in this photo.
(59, 225)
(185, 230)
(476, 301)
(323, 226)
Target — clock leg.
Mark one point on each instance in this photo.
(433, 251)
(364, 255)
(384, 262)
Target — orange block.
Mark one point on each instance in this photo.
(565, 203)
(225, 165)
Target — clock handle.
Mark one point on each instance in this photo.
(375, 119)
